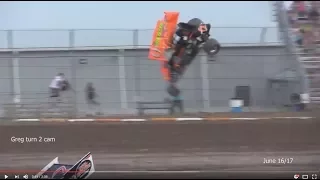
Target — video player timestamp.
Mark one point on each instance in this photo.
(39, 139)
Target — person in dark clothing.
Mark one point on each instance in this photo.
(91, 94)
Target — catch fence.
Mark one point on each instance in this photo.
(115, 61)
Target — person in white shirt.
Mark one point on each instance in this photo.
(55, 85)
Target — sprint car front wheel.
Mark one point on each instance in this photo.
(212, 47)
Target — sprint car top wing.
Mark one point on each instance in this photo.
(81, 170)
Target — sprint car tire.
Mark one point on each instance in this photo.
(173, 90)
(212, 47)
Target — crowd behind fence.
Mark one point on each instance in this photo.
(123, 76)
(124, 37)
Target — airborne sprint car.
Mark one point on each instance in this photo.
(54, 170)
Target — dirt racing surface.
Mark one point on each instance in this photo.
(260, 145)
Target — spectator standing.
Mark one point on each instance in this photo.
(58, 83)
(299, 37)
(307, 21)
(55, 85)
(91, 95)
(302, 13)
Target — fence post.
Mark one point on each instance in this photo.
(136, 65)
(15, 69)
(9, 46)
(205, 82)
(73, 69)
(122, 80)
(16, 77)
(263, 35)
(71, 38)
(9, 39)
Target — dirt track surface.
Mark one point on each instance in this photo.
(220, 145)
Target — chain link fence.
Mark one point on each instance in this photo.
(115, 62)
(124, 37)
